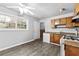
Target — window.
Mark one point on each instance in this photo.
(21, 24)
(9, 22)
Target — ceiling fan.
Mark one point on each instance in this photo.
(23, 9)
(62, 10)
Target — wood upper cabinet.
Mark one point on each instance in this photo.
(76, 8)
(69, 23)
(63, 21)
(55, 38)
(76, 24)
(57, 21)
(71, 50)
(52, 23)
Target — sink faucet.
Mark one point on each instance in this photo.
(76, 32)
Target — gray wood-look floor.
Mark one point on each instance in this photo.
(34, 48)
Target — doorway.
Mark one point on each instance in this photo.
(42, 29)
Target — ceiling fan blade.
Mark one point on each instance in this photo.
(30, 12)
(26, 11)
(21, 11)
(27, 7)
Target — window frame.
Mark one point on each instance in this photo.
(17, 18)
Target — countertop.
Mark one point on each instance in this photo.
(53, 32)
(60, 33)
(74, 43)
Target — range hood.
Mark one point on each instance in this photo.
(60, 26)
(75, 19)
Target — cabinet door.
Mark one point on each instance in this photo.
(52, 23)
(66, 50)
(76, 8)
(71, 50)
(69, 22)
(56, 38)
(74, 24)
(57, 21)
(63, 21)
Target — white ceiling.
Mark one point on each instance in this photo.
(44, 10)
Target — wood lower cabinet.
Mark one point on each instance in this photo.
(55, 38)
(71, 50)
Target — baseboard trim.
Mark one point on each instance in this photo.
(55, 44)
(16, 45)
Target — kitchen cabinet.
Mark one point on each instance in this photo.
(63, 21)
(73, 24)
(57, 21)
(53, 23)
(55, 38)
(77, 24)
(76, 8)
(71, 50)
(69, 23)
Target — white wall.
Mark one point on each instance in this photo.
(10, 38)
(36, 30)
